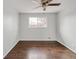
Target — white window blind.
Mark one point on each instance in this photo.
(37, 22)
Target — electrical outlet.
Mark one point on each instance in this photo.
(49, 37)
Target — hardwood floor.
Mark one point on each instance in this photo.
(40, 50)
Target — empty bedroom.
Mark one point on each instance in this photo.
(39, 29)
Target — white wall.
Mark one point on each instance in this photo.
(66, 25)
(10, 27)
(67, 28)
(26, 33)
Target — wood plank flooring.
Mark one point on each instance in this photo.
(40, 50)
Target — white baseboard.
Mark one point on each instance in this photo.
(37, 39)
(11, 48)
(67, 46)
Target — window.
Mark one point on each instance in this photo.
(37, 22)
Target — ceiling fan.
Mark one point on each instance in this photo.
(46, 3)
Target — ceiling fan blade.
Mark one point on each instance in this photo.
(37, 7)
(46, 1)
(54, 4)
(36, 2)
